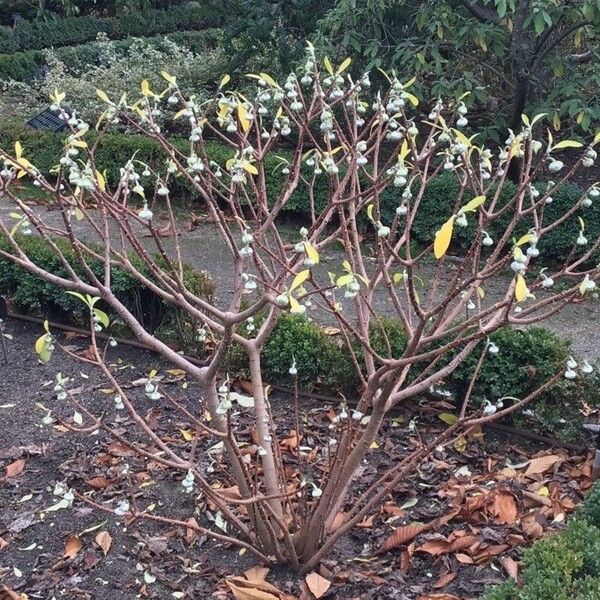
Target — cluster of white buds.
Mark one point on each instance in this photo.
(532, 250)
(122, 508)
(201, 334)
(487, 240)
(462, 111)
(555, 165)
(361, 159)
(399, 172)
(547, 282)
(225, 403)
(492, 348)
(395, 131)
(570, 372)
(491, 409)
(195, 165)
(519, 263)
(250, 326)
(436, 111)
(249, 282)
(329, 164)
(590, 156)
(81, 177)
(60, 387)
(151, 390)
(118, 402)
(282, 124)
(188, 482)
(293, 371)
(247, 238)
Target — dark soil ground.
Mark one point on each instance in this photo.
(150, 560)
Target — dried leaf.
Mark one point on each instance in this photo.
(317, 584)
(504, 507)
(72, 546)
(3, 543)
(444, 580)
(401, 536)
(542, 463)
(244, 593)
(98, 483)
(104, 540)
(511, 567)
(15, 468)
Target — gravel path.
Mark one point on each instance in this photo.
(204, 249)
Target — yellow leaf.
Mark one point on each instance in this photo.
(344, 66)
(410, 82)
(226, 79)
(146, 88)
(102, 95)
(295, 306)
(404, 150)
(40, 343)
(101, 181)
(448, 418)
(521, 289)
(443, 238)
(328, 65)
(567, 144)
(187, 435)
(311, 253)
(247, 166)
(412, 99)
(266, 77)
(374, 446)
(170, 78)
(543, 491)
(243, 117)
(556, 121)
(18, 150)
(300, 279)
(473, 204)
(524, 239)
(344, 280)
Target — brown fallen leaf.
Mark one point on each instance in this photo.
(541, 464)
(3, 543)
(317, 584)
(444, 580)
(256, 583)
(72, 546)
(511, 567)
(15, 468)
(401, 536)
(98, 483)
(12, 595)
(244, 593)
(438, 597)
(504, 508)
(104, 540)
(436, 547)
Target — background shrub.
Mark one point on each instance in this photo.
(68, 31)
(32, 295)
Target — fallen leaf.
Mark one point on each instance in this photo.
(98, 483)
(401, 536)
(436, 547)
(72, 546)
(3, 543)
(541, 464)
(15, 468)
(243, 593)
(104, 540)
(317, 584)
(438, 597)
(511, 567)
(444, 580)
(504, 507)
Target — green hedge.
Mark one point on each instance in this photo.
(43, 149)
(32, 295)
(25, 65)
(563, 566)
(68, 31)
(526, 360)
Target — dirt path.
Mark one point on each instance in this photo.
(204, 249)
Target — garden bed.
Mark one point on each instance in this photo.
(491, 497)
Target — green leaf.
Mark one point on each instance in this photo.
(102, 316)
(448, 418)
(567, 144)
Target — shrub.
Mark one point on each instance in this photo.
(563, 566)
(33, 295)
(68, 31)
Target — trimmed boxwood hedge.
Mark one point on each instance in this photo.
(68, 31)
(32, 295)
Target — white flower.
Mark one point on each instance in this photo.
(317, 492)
(487, 240)
(555, 165)
(492, 348)
(571, 363)
(261, 451)
(383, 231)
(293, 369)
(581, 239)
(461, 220)
(570, 374)
(489, 408)
(586, 367)
(145, 214)
(357, 415)
(188, 482)
(401, 210)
